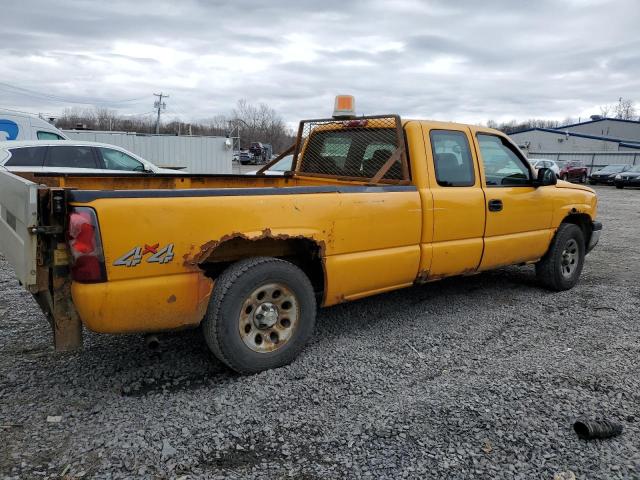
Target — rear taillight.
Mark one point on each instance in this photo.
(87, 265)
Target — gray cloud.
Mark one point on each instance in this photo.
(458, 60)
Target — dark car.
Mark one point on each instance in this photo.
(573, 171)
(630, 178)
(607, 174)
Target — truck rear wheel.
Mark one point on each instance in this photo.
(561, 266)
(261, 314)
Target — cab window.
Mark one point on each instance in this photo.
(452, 158)
(71, 157)
(48, 136)
(117, 160)
(502, 165)
(26, 157)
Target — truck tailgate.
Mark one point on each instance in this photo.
(18, 213)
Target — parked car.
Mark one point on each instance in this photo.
(607, 174)
(630, 178)
(71, 156)
(244, 158)
(278, 168)
(573, 171)
(22, 126)
(539, 163)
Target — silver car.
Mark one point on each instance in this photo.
(539, 163)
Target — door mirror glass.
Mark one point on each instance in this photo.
(546, 176)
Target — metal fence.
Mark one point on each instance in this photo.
(194, 154)
(592, 160)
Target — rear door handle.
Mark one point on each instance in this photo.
(495, 205)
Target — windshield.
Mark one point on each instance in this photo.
(282, 165)
(612, 168)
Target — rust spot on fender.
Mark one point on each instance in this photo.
(231, 251)
(205, 287)
(171, 299)
(192, 260)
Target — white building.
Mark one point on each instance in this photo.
(193, 154)
(597, 135)
(627, 130)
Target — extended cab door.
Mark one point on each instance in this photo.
(458, 201)
(518, 227)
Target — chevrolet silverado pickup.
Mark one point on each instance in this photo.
(372, 204)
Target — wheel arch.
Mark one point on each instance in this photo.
(583, 221)
(302, 251)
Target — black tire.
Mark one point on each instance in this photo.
(591, 182)
(551, 270)
(233, 289)
(619, 187)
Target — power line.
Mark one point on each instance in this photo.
(56, 98)
(29, 113)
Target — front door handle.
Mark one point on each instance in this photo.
(495, 205)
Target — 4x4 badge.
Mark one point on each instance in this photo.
(134, 256)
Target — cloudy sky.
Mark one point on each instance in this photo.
(460, 60)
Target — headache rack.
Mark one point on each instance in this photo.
(369, 149)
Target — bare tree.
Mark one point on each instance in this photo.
(515, 126)
(261, 123)
(257, 123)
(625, 109)
(605, 110)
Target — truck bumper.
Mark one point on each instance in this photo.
(596, 230)
(151, 304)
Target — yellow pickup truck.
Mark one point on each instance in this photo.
(372, 204)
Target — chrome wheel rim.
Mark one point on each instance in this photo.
(269, 318)
(569, 258)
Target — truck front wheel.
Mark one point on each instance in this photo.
(261, 314)
(560, 268)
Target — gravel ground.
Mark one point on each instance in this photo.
(476, 377)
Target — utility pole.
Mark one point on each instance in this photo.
(160, 105)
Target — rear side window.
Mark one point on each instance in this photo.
(357, 152)
(48, 136)
(26, 157)
(452, 158)
(71, 157)
(117, 160)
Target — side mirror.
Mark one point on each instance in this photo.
(546, 176)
